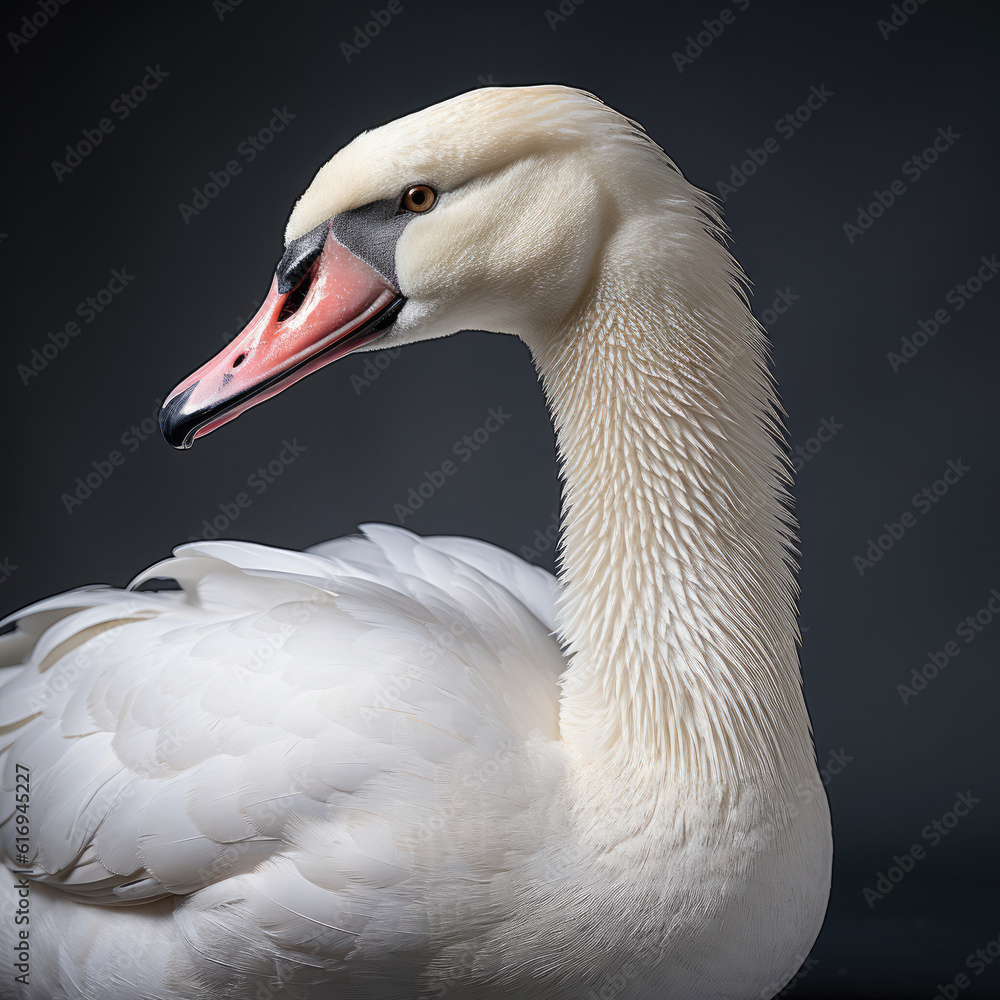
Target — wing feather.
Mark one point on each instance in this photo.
(177, 739)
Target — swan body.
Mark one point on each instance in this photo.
(399, 767)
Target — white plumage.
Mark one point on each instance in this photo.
(372, 769)
(304, 717)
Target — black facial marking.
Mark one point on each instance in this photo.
(299, 256)
(371, 233)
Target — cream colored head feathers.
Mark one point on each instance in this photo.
(534, 183)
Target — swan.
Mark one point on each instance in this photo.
(393, 766)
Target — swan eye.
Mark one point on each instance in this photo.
(419, 198)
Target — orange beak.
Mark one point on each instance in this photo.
(339, 304)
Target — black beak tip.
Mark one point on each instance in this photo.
(178, 425)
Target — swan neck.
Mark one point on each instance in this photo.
(677, 604)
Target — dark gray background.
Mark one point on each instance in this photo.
(365, 446)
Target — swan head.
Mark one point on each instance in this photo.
(491, 211)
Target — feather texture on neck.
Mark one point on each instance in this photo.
(677, 560)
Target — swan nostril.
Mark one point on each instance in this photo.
(297, 296)
(239, 360)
